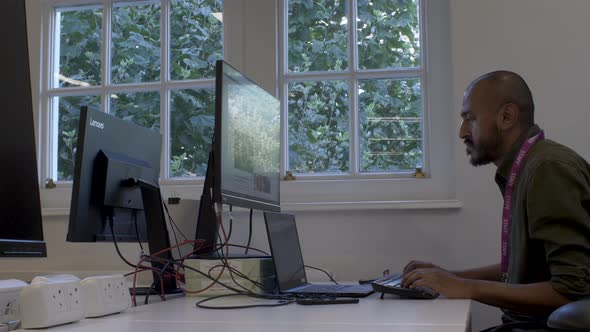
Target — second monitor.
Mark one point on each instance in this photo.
(244, 163)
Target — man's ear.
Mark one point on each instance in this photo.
(507, 116)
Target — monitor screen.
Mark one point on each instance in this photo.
(244, 162)
(109, 151)
(247, 141)
(21, 230)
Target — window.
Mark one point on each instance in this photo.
(364, 85)
(150, 62)
(354, 86)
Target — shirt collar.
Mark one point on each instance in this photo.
(506, 164)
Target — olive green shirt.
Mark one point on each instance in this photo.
(550, 218)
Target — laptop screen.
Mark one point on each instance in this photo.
(285, 249)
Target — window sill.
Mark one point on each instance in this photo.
(373, 205)
(330, 206)
(318, 195)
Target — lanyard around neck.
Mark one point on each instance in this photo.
(507, 210)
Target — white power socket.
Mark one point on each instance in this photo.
(51, 300)
(9, 300)
(105, 295)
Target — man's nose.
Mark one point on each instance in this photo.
(463, 130)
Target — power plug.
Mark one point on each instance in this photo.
(51, 300)
(105, 295)
(9, 300)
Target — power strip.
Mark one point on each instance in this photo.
(105, 295)
(9, 300)
(51, 300)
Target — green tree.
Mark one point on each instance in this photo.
(196, 43)
(389, 111)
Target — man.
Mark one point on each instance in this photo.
(545, 259)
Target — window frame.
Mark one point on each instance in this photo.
(313, 192)
(385, 190)
(165, 86)
(351, 76)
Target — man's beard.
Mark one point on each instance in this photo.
(485, 152)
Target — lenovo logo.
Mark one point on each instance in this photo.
(96, 124)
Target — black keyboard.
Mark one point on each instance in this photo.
(392, 285)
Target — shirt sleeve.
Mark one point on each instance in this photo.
(558, 197)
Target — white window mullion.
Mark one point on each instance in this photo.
(353, 90)
(52, 104)
(164, 90)
(106, 54)
(283, 90)
(423, 90)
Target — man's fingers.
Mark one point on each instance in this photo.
(414, 265)
(411, 277)
(410, 267)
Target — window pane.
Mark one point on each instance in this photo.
(141, 108)
(69, 118)
(192, 118)
(196, 38)
(318, 127)
(388, 34)
(390, 119)
(135, 43)
(318, 35)
(80, 47)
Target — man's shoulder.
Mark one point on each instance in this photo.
(549, 152)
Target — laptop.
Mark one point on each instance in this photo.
(289, 266)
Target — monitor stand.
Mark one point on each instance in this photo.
(158, 239)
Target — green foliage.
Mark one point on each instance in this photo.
(136, 43)
(192, 118)
(196, 40)
(69, 117)
(390, 111)
(318, 35)
(388, 34)
(141, 108)
(196, 43)
(390, 122)
(318, 127)
(80, 47)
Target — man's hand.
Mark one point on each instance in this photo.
(440, 281)
(414, 265)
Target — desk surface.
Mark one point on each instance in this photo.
(371, 314)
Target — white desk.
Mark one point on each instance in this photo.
(370, 315)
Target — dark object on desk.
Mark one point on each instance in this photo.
(21, 230)
(574, 316)
(367, 281)
(288, 262)
(392, 285)
(115, 194)
(327, 300)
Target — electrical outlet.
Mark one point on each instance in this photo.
(105, 295)
(51, 300)
(9, 300)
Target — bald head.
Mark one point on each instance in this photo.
(500, 87)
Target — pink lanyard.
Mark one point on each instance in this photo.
(507, 210)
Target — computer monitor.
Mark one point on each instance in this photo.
(244, 163)
(115, 189)
(21, 229)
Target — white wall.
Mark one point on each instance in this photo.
(544, 40)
